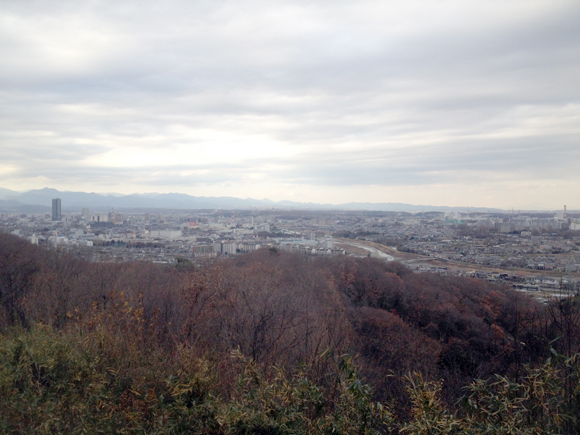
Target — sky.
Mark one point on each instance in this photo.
(455, 103)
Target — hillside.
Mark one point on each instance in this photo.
(275, 343)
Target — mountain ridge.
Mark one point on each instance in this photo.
(77, 200)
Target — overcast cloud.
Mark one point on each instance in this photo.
(458, 103)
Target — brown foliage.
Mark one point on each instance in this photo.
(286, 310)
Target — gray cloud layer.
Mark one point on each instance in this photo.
(312, 95)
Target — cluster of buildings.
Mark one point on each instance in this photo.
(163, 237)
(472, 242)
(531, 243)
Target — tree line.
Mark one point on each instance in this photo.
(271, 342)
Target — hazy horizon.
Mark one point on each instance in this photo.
(430, 206)
(460, 104)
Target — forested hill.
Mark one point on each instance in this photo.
(276, 343)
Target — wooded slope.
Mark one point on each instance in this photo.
(285, 343)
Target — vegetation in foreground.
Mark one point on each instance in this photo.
(260, 344)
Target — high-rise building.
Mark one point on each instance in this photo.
(56, 216)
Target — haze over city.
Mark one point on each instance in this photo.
(464, 104)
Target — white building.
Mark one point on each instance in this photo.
(165, 234)
(328, 244)
(229, 248)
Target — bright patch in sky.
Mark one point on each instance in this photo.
(438, 103)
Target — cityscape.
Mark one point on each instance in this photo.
(536, 252)
(292, 217)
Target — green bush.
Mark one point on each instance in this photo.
(76, 381)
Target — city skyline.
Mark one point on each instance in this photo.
(456, 104)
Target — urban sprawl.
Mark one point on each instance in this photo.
(533, 252)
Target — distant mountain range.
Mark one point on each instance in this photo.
(41, 200)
